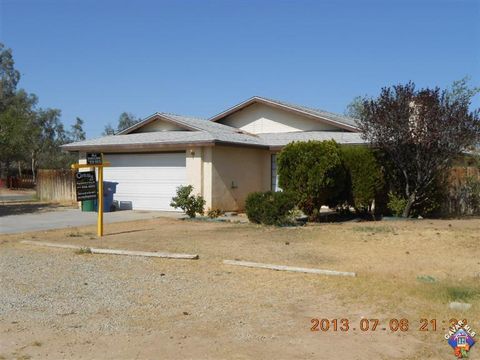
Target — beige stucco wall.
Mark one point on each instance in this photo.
(213, 169)
(260, 118)
(236, 172)
(199, 172)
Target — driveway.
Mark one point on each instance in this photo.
(68, 217)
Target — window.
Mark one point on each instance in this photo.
(274, 176)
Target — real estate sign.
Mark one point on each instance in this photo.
(86, 185)
(94, 159)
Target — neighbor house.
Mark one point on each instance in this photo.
(225, 157)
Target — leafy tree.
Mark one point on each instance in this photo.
(355, 108)
(15, 123)
(109, 130)
(9, 76)
(422, 131)
(77, 133)
(28, 134)
(126, 120)
(46, 135)
(314, 172)
(461, 91)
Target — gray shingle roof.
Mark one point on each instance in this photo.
(201, 131)
(282, 139)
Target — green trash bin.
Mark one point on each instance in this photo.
(88, 205)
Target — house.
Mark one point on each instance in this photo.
(225, 158)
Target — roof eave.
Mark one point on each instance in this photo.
(136, 147)
(152, 118)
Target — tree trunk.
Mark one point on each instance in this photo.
(408, 207)
(33, 168)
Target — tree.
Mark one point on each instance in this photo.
(15, 123)
(355, 108)
(460, 90)
(28, 134)
(9, 76)
(77, 133)
(126, 120)
(45, 138)
(314, 172)
(109, 130)
(421, 131)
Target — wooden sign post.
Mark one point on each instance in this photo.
(95, 160)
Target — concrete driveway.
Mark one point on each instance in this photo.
(66, 218)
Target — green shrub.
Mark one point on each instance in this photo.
(270, 208)
(396, 204)
(190, 204)
(366, 177)
(313, 171)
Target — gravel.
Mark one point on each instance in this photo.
(60, 288)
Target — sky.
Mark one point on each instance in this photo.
(98, 58)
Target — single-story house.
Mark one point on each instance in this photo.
(225, 157)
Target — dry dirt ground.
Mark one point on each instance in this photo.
(56, 303)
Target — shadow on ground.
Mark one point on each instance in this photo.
(28, 208)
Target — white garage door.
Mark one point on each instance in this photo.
(146, 181)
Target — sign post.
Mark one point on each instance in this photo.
(86, 186)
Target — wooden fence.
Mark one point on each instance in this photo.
(56, 185)
(20, 182)
(463, 197)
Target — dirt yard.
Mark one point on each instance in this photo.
(58, 303)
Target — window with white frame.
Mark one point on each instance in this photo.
(274, 176)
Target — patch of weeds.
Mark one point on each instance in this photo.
(463, 293)
(426, 279)
(37, 343)
(447, 292)
(374, 229)
(2, 357)
(75, 234)
(83, 251)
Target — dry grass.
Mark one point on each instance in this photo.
(392, 261)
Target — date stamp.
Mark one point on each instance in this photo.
(390, 325)
(459, 334)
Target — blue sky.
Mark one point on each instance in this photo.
(97, 58)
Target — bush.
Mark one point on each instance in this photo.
(270, 208)
(190, 204)
(396, 204)
(366, 177)
(314, 172)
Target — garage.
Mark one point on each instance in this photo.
(146, 181)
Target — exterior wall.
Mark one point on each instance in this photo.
(237, 172)
(159, 125)
(199, 172)
(260, 118)
(213, 170)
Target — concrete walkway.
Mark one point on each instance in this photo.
(72, 218)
